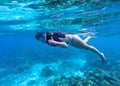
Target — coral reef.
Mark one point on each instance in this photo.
(96, 77)
(48, 71)
(93, 76)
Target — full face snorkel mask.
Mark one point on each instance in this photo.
(41, 36)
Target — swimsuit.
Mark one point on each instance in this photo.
(72, 38)
(57, 36)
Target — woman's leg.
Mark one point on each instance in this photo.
(79, 43)
(87, 39)
(93, 49)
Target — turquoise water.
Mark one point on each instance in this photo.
(26, 62)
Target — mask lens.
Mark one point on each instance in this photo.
(42, 38)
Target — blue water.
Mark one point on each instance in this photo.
(26, 62)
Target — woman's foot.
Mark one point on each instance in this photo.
(103, 57)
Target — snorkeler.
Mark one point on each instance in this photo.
(62, 39)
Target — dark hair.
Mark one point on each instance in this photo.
(40, 35)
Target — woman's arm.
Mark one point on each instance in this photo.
(61, 44)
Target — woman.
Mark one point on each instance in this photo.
(62, 39)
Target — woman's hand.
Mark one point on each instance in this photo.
(61, 44)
